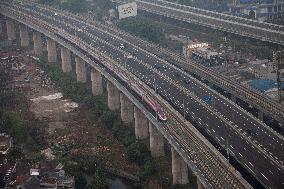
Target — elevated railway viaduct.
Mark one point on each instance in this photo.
(232, 24)
(189, 147)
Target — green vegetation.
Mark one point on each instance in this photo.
(99, 182)
(75, 5)
(217, 5)
(156, 31)
(99, 7)
(144, 28)
(80, 181)
(149, 170)
(86, 165)
(136, 150)
(93, 166)
(71, 5)
(25, 131)
(14, 119)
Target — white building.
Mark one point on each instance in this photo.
(263, 69)
(259, 9)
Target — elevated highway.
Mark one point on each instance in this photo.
(262, 103)
(212, 171)
(241, 26)
(184, 93)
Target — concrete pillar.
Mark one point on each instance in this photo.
(37, 43)
(66, 60)
(81, 71)
(24, 35)
(127, 109)
(97, 82)
(10, 29)
(260, 115)
(199, 184)
(156, 141)
(51, 49)
(179, 169)
(113, 97)
(141, 124)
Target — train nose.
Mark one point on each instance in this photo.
(162, 117)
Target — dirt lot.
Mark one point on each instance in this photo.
(68, 122)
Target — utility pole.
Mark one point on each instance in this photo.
(155, 87)
(125, 59)
(227, 149)
(226, 53)
(278, 62)
(183, 105)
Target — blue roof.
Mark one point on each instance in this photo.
(256, 1)
(264, 84)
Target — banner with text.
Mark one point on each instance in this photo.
(127, 10)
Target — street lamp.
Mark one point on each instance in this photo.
(183, 106)
(227, 149)
(126, 59)
(155, 88)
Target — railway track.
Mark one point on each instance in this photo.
(151, 68)
(247, 94)
(240, 26)
(199, 145)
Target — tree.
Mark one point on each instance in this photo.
(149, 170)
(251, 14)
(108, 118)
(75, 5)
(5, 75)
(123, 133)
(99, 181)
(36, 132)
(144, 28)
(138, 152)
(80, 181)
(13, 124)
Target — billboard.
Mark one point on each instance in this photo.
(127, 10)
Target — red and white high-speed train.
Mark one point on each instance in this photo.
(135, 86)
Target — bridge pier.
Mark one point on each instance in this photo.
(260, 115)
(141, 124)
(156, 141)
(10, 29)
(51, 49)
(127, 112)
(24, 35)
(97, 82)
(199, 184)
(179, 169)
(66, 60)
(113, 97)
(81, 71)
(37, 43)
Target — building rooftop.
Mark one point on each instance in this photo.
(5, 143)
(46, 174)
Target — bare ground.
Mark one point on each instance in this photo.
(67, 124)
